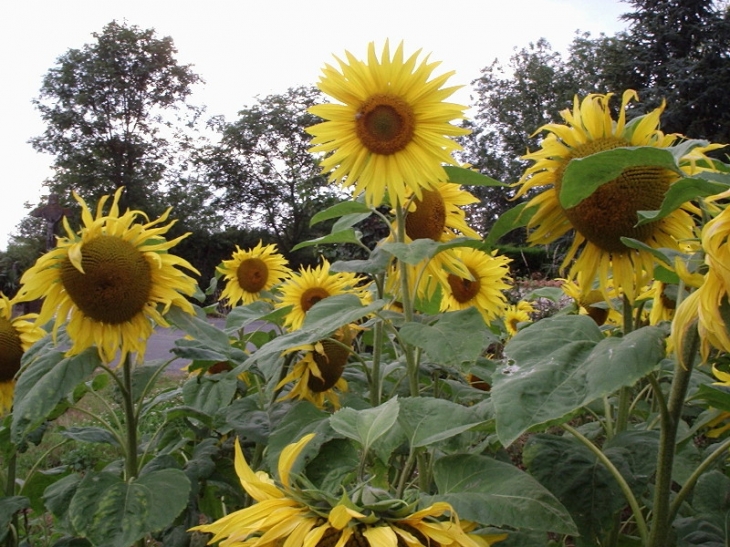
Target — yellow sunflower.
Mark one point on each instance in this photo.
(709, 303)
(436, 215)
(483, 290)
(318, 375)
(280, 516)
(591, 302)
(610, 212)
(17, 334)
(391, 129)
(515, 316)
(310, 285)
(249, 272)
(112, 281)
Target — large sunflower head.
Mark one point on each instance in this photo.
(310, 285)
(112, 281)
(610, 213)
(17, 334)
(390, 129)
(249, 272)
(483, 289)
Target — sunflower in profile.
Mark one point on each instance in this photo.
(489, 276)
(283, 516)
(709, 304)
(17, 334)
(436, 215)
(591, 302)
(249, 272)
(112, 281)
(310, 285)
(610, 213)
(390, 129)
(318, 375)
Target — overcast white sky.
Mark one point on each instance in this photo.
(245, 48)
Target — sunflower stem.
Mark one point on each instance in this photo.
(411, 363)
(662, 515)
(624, 396)
(11, 539)
(130, 420)
(375, 384)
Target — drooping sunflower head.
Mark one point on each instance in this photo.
(252, 271)
(390, 129)
(112, 281)
(610, 213)
(310, 285)
(17, 334)
(483, 289)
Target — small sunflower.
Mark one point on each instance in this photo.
(112, 281)
(591, 302)
(709, 304)
(310, 285)
(610, 212)
(391, 129)
(249, 272)
(436, 215)
(515, 316)
(318, 375)
(17, 334)
(483, 290)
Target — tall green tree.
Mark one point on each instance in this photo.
(116, 112)
(262, 172)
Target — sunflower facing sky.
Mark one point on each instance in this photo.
(390, 130)
(490, 276)
(112, 281)
(17, 334)
(610, 212)
(310, 285)
(249, 272)
(281, 516)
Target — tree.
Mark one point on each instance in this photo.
(262, 170)
(114, 115)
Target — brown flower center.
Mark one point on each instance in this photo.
(116, 284)
(385, 124)
(464, 290)
(311, 296)
(429, 218)
(11, 350)
(252, 274)
(331, 364)
(610, 213)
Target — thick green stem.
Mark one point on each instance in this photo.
(130, 421)
(624, 395)
(12, 537)
(661, 521)
(625, 488)
(407, 301)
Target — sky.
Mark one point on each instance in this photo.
(246, 48)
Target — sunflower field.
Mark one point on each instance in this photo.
(415, 397)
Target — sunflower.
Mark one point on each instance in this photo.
(390, 130)
(318, 375)
(249, 272)
(281, 516)
(310, 285)
(436, 215)
(708, 305)
(112, 281)
(610, 212)
(591, 302)
(483, 290)
(516, 315)
(17, 334)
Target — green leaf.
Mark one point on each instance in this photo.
(90, 435)
(366, 426)
(469, 177)
(517, 217)
(376, 263)
(248, 420)
(445, 342)
(426, 420)
(562, 363)
(9, 506)
(210, 393)
(659, 254)
(43, 384)
(338, 210)
(583, 176)
(57, 498)
(496, 493)
(715, 396)
(578, 479)
(422, 249)
(344, 236)
(113, 513)
(349, 221)
(679, 193)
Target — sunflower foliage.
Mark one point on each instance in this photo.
(416, 396)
